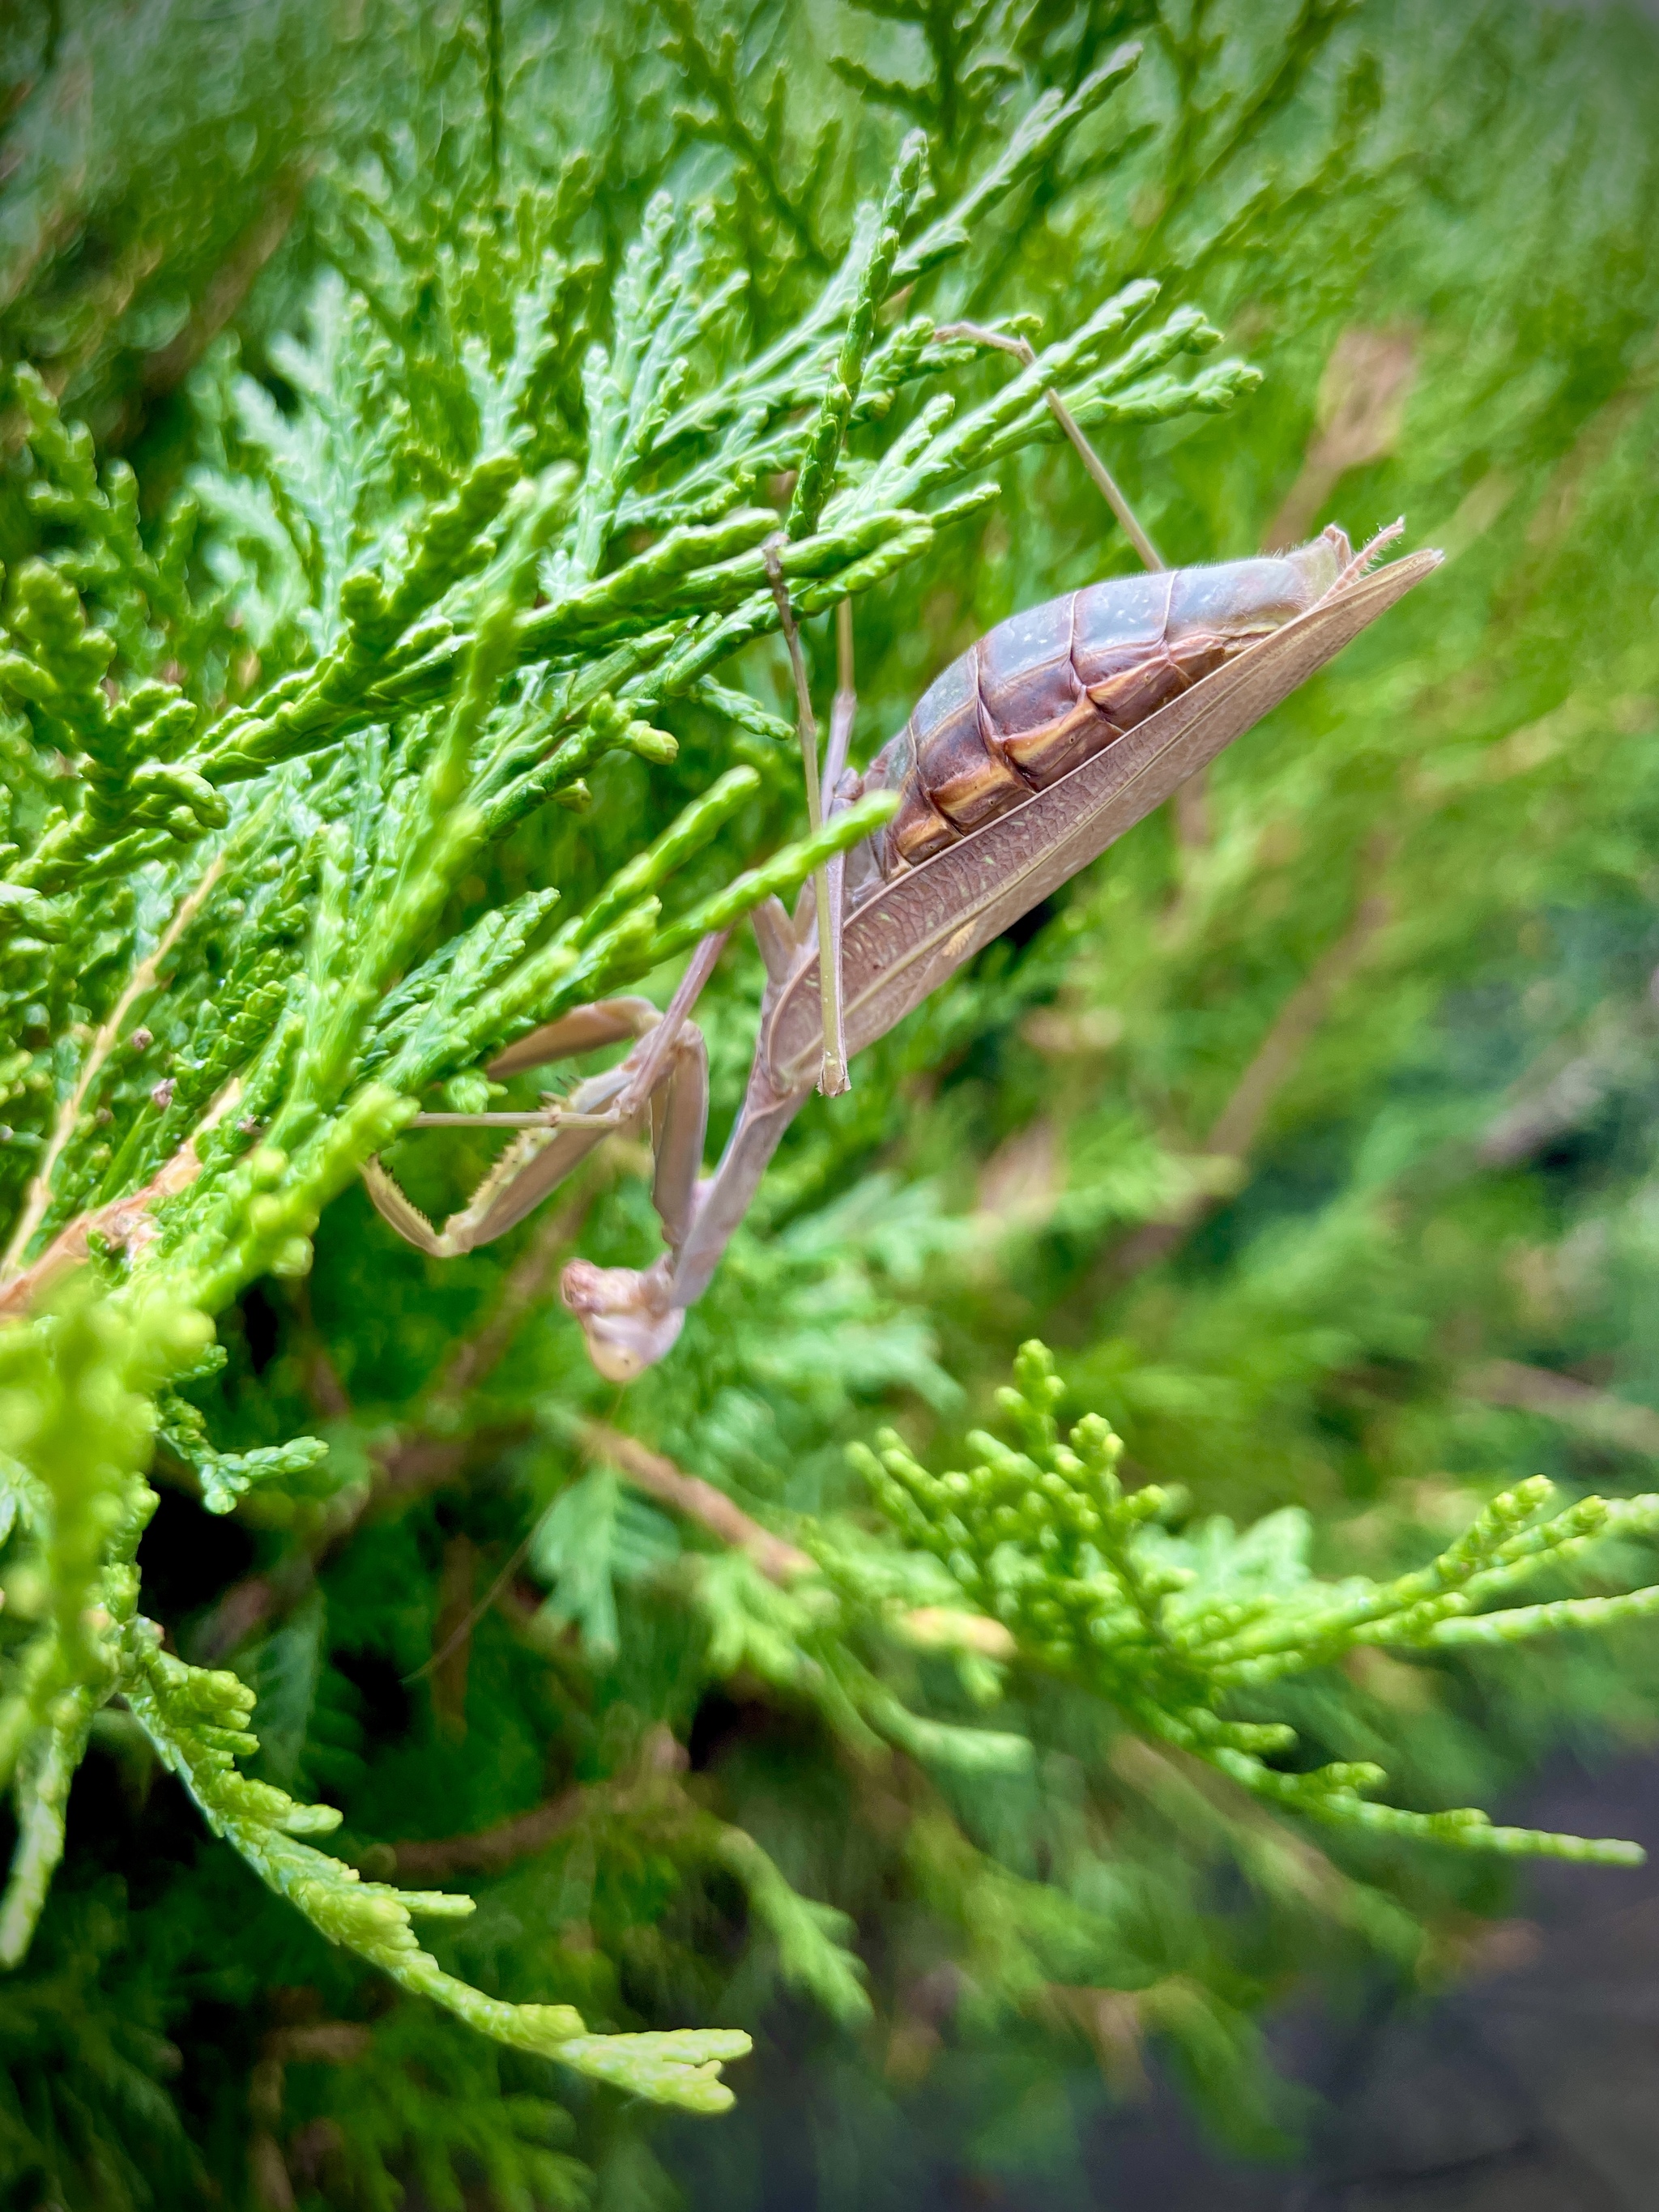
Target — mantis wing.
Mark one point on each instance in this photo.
(903, 940)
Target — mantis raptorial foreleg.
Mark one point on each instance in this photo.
(631, 1318)
(667, 1074)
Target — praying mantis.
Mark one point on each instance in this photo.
(1053, 735)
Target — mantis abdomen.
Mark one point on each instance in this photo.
(1141, 719)
(1050, 688)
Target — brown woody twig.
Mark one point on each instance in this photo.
(144, 978)
(699, 1501)
(1594, 1413)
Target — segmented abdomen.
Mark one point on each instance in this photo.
(1047, 690)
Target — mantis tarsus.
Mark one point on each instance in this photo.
(1058, 731)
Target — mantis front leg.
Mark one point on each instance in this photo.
(631, 1317)
(666, 1076)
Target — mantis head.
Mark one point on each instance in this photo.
(626, 1316)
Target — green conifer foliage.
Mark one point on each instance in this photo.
(388, 664)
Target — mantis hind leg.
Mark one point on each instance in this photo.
(1099, 475)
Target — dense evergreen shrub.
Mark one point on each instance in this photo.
(413, 1741)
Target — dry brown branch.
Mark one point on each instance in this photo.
(111, 297)
(1299, 1019)
(1114, 2023)
(699, 1501)
(1555, 1097)
(242, 1609)
(326, 2042)
(490, 1849)
(326, 1393)
(1594, 1413)
(1192, 815)
(527, 1282)
(69, 89)
(1361, 408)
(126, 1224)
(652, 1785)
(412, 1464)
(452, 1636)
(1553, 516)
(109, 300)
(404, 1469)
(248, 1605)
(229, 286)
(416, 1462)
(142, 979)
(929, 1627)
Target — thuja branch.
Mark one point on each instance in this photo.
(1092, 1586)
(196, 1721)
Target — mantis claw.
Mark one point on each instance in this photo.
(393, 1204)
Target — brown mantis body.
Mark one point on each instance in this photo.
(1057, 731)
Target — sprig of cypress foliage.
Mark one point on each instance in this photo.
(1172, 1630)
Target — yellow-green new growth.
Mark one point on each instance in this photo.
(196, 1719)
(1177, 1630)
